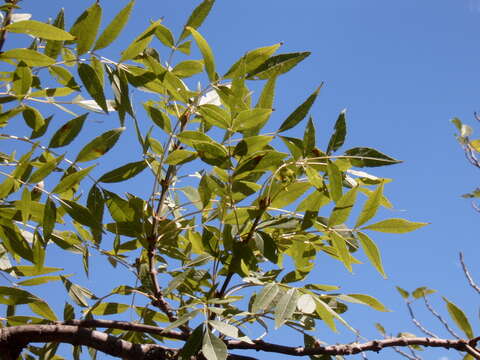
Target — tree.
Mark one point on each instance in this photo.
(209, 248)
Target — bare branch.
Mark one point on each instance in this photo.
(468, 276)
(417, 323)
(440, 318)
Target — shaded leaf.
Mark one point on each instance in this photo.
(99, 146)
(286, 307)
(93, 85)
(300, 112)
(339, 134)
(367, 157)
(213, 348)
(67, 132)
(124, 172)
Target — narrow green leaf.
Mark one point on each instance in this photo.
(334, 181)
(339, 134)
(28, 56)
(39, 29)
(41, 308)
(340, 245)
(22, 79)
(422, 291)
(372, 252)
(54, 47)
(326, 314)
(371, 206)
(182, 320)
(109, 308)
(206, 53)
(99, 146)
(25, 204)
(309, 138)
(213, 348)
(300, 112)
(286, 307)
(188, 68)
(365, 300)
(80, 213)
(15, 242)
(165, 36)
(367, 157)
(404, 293)
(193, 344)
(93, 85)
(85, 28)
(459, 317)
(253, 59)
(71, 180)
(289, 194)
(64, 77)
(33, 118)
(45, 170)
(67, 132)
(124, 172)
(251, 118)
(49, 217)
(268, 94)
(395, 226)
(343, 207)
(113, 29)
(225, 328)
(215, 115)
(197, 17)
(39, 280)
(180, 156)
(277, 65)
(140, 43)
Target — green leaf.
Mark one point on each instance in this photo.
(33, 118)
(422, 291)
(188, 68)
(49, 217)
(22, 79)
(193, 344)
(80, 213)
(54, 47)
(215, 115)
(266, 98)
(224, 328)
(180, 156)
(113, 29)
(371, 206)
(277, 65)
(253, 59)
(99, 146)
(182, 320)
(264, 299)
(365, 300)
(334, 181)
(251, 118)
(39, 29)
(395, 226)
(372, 252)
(159, 117)
(45, 170)
(367, 157)
(41, 308)
(300, 112)
(404, 293)
(108, 308)
(343, 207)
(67, 132)
(339, 134)
(93, 85)
(63, 76)
(289, 194)
(85, 28)
(165, 36)
(309, 138)
(206, 53)
(39, 280)
(340, 245)
(71, 180)
(28, 56)
(213, 348)
(286, 307)
(197, 17)
(459, 318)
(15, 243)
(140, 43)
(124, 172)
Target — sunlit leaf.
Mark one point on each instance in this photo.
(299, 113)
(206, 52)
(99, 146)
(372, 252)
(86, 27)
(459, 318)
(39, 29)
(113, 29)
(286, 307)
(339, 134)
(396, 226)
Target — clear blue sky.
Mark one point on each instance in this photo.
(402, 69)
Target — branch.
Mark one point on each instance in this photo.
(6, 21)
(355, 348)
(468, 276)
(14, 339)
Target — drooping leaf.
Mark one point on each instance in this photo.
(459, 317)
(367, 157)
(213, 348)
(85, 28)
(33, 118)
(113, 29)
(364, 299)
(124, 172)
(206, 52)
(286, 307)
(339, 134)
(371, 206)
(372, 252)
(197, 17)
(343, 207)
(99, 146)
(93, 85)
(395, 226)
(334, 181)
(39, 29)
(340, 245)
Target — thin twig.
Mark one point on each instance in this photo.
(417, 323)
(467, 275)
(440, 318)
